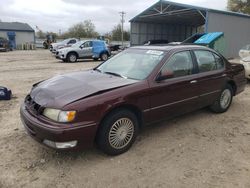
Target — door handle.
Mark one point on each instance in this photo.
(193, 82)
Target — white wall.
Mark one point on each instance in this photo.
(3, 34)
(24, 37)
(21, 37)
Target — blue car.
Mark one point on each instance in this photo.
(96, 49)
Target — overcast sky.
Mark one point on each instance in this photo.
(53, 15)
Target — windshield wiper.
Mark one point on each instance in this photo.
(115, 74)
(96, 69)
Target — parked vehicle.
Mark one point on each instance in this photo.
(139, 86)
(245, 51)
(4, 45)
(49, 40)
(63, 44)
(115, 47)
(84, 49)
(246, 63)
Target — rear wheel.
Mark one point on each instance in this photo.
(117, 132)
(224, 101)
(104, 56)
(72, 57)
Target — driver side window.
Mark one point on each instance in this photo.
(87, 44)
(180, 64)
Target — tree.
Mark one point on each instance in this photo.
(40, 34)
(84, 29)
(116, 33)
(242, 6)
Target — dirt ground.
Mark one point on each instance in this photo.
(200, 149)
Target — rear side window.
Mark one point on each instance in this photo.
(219, 61)
(180, 64)
(208, 61)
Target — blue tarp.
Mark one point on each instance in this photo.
(209, 37)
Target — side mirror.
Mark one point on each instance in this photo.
(163, 75)
(81, 46)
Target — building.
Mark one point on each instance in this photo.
(17, 33)
(175, 22)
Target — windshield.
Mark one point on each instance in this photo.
(64, 41)
(132, 63)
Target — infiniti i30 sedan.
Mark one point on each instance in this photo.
(109, 104)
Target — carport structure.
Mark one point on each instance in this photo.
(175, 22)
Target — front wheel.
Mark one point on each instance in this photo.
(224, 100)
(71, 57)
(104, 56)
(117, 132)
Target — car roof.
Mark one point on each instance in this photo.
(169, 47)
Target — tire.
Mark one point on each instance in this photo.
(45, 45)
(104, 56)
(64, 60)
(118, 132)
(72, 57)
(223, 102)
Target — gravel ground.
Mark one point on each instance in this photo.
(200, 149)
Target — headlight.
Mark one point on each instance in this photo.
(58, 115)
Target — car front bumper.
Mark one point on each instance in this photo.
(73, 138)
(60, 56)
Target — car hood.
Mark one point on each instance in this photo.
(66, 49)
(65, 89)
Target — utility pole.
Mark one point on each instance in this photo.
(122, 20)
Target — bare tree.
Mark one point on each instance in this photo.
(116, 33)
(242, 6)
(84, 29)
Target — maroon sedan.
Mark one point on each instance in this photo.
(109, 104)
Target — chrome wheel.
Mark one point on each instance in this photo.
(121, 133)
(225, 98)
(72, 58)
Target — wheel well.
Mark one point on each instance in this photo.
(104, 52)
(131, 108)
(233, 85)
(72, 52)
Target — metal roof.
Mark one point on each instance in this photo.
(173, 13)
(15, 26)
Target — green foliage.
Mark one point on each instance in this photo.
(42, 35)
(242, 6)
(84, 29)
(116, 34)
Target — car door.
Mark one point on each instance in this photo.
(86, 49)
(211, 77)
(178, 93)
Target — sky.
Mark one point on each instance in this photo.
(55, 15)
